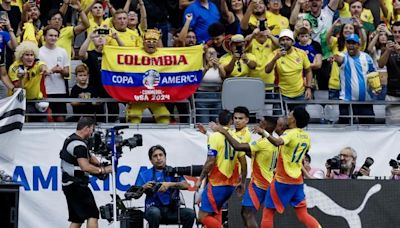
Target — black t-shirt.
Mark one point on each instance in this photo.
(158, 13)
(14, 14)
(94, 64)
(393, 70)
(85, 93)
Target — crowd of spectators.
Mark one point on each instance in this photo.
(350, 48)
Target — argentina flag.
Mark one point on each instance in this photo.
(12, 117)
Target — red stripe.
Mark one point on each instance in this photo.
(275, 198)
(302, 204)
(211, 198)
(253, 196)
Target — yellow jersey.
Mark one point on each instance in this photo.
(241, 69)
(278, 21)
(296, 143)
(289, 69)
(225, 170)
(366, 14)
(31, 83)
(263, 162)
(261, 51)
(129, 38)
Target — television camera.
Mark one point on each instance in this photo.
(101, 143)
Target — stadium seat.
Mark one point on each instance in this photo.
(331, 113)
(248, 92)
(316, 112)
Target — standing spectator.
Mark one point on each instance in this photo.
(238, 62)
(391, 59)
(93, 60)
(128, 37)
(186, 37)
(232, 14)
(354, 67)
(216, 32)
(262, 43)
(157, 17)
(8, 41)
(204, 14)
(312, 48)
(255, 17)
(151, 40)
(289, 64)
(57, 61)
(27, 72)
(67, 33)
(213, 74)
(12, 12)
(83, 90)
(321, 19)
(275, 20)
(138, 26)
(337, 46)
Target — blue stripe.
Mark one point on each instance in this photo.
(347, 77)
(360, 77)
(128, 79)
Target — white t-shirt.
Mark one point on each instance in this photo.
(58, 56)
(211, 76)
(323, 22)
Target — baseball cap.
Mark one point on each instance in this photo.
(353, 37)
(237, 38)
(287, 33)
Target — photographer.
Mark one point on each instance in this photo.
(162, 192)
(343, 166)
(76, 165)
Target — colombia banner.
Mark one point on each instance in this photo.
(169, 74)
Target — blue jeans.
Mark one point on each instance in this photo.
(292, 106)
(334, 94)
(207, 111)
(166, 215)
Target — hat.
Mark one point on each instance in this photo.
(152, 34)
(237, 38)
(353, 37)
(42, 106)
(287, 33)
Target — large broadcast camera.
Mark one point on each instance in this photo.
(395, 163)
(101, 143)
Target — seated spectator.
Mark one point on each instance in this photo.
(237, 62)
(354, 86)
(213, 74)
(134, 111)
(347, 166)
(83, 90)
(26, 72)
(309, 172)
(205, 13)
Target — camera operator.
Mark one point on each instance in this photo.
(346, 166)
(162, 192)
(76, 165)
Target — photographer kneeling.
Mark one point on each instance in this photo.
(76, 165)
(343, 166)
(162, 192)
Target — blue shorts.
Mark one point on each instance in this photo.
(279, 195)
(214, 197)
(254, 196)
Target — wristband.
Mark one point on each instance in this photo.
(266, 134)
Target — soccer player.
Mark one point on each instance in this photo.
(263, 158)
(222, 173)
(287, 185)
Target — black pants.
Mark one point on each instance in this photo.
(165, 215)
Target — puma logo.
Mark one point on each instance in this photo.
(330, 207)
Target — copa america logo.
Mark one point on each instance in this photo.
(151, 79)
